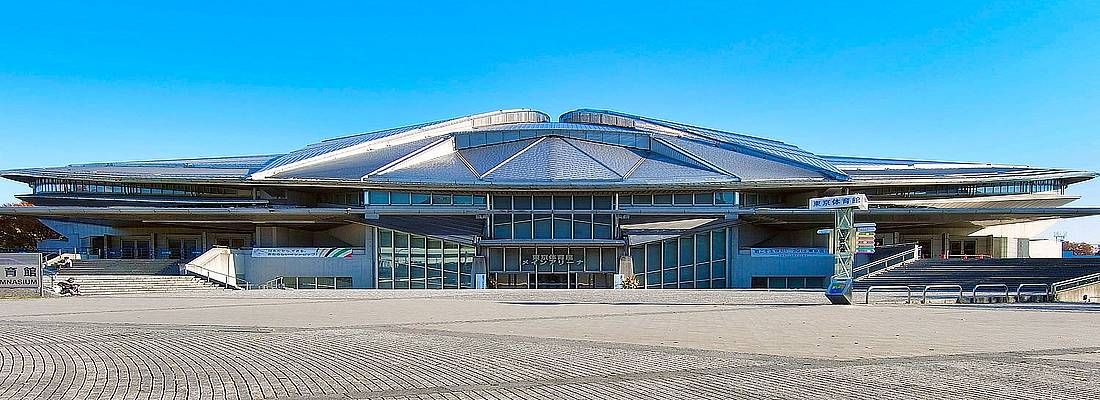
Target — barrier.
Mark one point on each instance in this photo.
(1046, 289)
(924, 293)
(974, 291)
(908, 293)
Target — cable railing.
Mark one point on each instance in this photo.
(888, 262)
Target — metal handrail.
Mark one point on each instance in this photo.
(1074, 282)
(275, 283)
(924, 293)
(246, 284)
(908, 293)
(1046, 289)
(907, 255)
(974, 291)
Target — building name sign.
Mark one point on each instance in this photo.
(553, 259)
(834, 202)
(302, 252)
(788, 252)
(21, 271)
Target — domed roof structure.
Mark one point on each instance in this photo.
(522, 148)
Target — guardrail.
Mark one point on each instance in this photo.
(1074, 283)
(974, 291)
(908, 293)
(924, 293)
(1019, 289)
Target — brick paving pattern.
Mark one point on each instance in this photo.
(110, 360)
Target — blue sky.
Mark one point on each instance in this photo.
(1006, 82)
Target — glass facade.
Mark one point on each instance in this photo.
(690, 261)
(989, 189)
(342, 198)
(407, 261)
(679, 199)
(556, 202)
(317, 282)
(789, 282)
(42, 186)
(552, 259)
(552, 226)
(390, 198)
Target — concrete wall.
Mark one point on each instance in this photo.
(360, 267)
(258, 270)
(1045, 248)
(1078, 295)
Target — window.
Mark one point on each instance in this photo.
(421, 199)
(788, 282)
(690, 261)
(522, 226)
(420, 263)
(542, 228)
(542, 203)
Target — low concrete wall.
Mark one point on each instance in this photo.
(1078, 295)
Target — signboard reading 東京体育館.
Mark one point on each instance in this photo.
(21, 271)
(834, 202)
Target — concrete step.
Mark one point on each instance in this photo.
(132, 284)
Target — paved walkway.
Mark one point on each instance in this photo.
(547, 344)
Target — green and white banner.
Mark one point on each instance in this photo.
(304, 252)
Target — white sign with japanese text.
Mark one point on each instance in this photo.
(833, 202)
(21, 271)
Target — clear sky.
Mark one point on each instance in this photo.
(1005, 82)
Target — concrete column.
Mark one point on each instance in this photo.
(370, 264)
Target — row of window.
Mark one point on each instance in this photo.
(481, 138)
(789, 282)
(342, 198)
(1002, 188)
(557, 259)
(563, 202)
(552, 202)
(680, 199)
(407, 261)
(690, 261)
(67, 186)
(317, 282)
(552, 226)
(384, 198)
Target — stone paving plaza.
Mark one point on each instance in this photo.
(540, 344)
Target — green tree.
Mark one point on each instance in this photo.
(22, 233)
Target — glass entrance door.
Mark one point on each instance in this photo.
(551, 281)
(510, 280)
(136, 248)
(183, 247)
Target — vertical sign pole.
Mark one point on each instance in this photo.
(845, 243)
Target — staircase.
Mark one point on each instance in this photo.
(1011, 272)
(121, 267)
(101, 285)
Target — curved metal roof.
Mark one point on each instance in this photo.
(523, 148)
